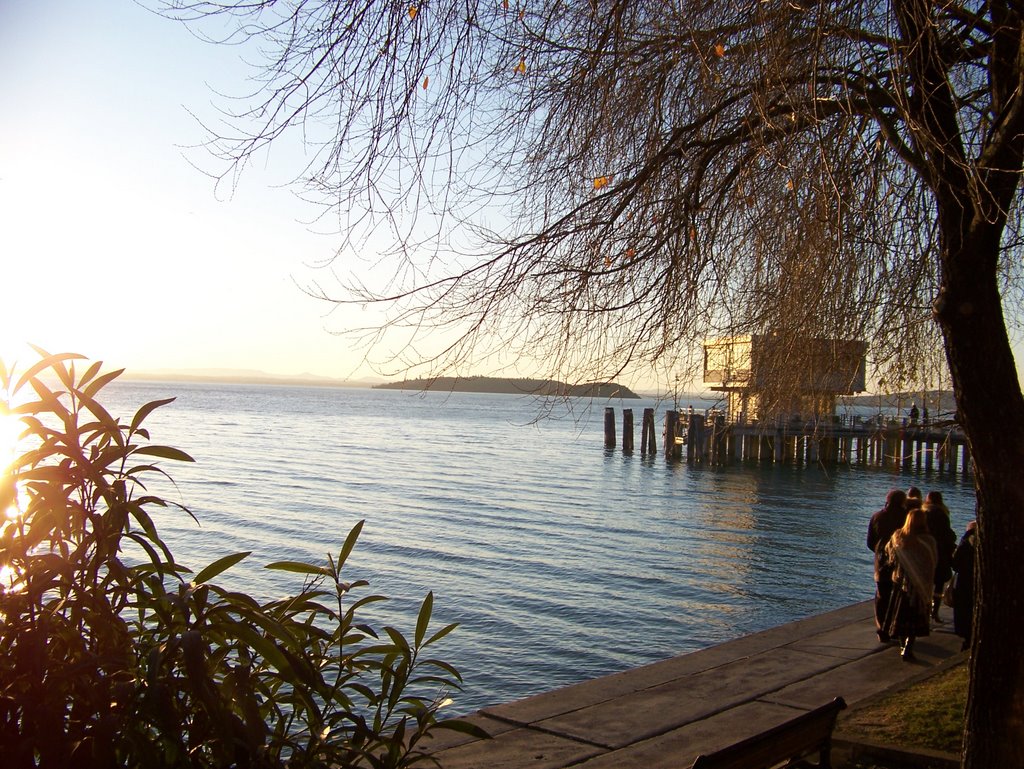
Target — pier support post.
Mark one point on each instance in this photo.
(695, 439)
(648, 443)
(609, 427)
(627, 431)
(830, 447)
(889, 453)
(718, 451)
(672, 451)
(723, 439)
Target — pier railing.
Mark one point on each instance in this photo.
(711, 438)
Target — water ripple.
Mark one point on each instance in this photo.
(561, 560)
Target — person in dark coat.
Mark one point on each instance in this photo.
(945, 540)
(963, 584)
(882, 526)
(911, 556)
(913, 498)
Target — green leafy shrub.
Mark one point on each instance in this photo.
(114, 654)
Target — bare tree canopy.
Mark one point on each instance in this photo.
(661, 171)
(602, 184)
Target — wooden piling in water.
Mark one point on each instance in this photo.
(648, 443)
(673, 451)
(695, 440)
(712, 440)
(609, 428)
(627, 431)
(723, 433)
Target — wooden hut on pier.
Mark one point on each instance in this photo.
(765, 377)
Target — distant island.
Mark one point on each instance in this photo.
(484, 384)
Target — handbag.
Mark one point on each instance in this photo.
(947, 594)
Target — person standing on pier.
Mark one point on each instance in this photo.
(940, 528)
(911, 555)
(882, 526)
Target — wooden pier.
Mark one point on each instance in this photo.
(710, 439)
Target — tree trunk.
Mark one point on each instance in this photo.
(991, 410)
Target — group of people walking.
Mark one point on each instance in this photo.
(916, 554)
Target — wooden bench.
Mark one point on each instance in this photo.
(793, 741)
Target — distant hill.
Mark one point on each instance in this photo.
(484, 384)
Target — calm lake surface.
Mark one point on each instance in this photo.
(561, 560)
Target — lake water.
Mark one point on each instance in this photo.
(561, 560)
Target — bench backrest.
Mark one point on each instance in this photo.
(791, 739)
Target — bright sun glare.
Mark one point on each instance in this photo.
(10, 429)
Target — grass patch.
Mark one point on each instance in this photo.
(928, 714)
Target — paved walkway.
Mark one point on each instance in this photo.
(667, 713)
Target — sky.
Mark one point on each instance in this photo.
(113, 244)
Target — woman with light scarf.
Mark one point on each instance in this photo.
(912, 554)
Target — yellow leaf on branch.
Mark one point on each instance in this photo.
(413, 10)
(426, 82)
(521, 67)
(719, 50)
(601, 182)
